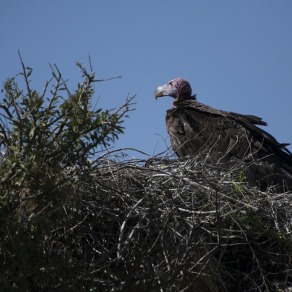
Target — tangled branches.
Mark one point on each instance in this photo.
(168, 225)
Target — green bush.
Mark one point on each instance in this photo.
(48, 140)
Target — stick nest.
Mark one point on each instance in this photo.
(170, 225)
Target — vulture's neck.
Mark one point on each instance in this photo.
(182, 99)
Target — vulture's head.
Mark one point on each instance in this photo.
(178, 88)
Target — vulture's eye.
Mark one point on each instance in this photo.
(170, 83)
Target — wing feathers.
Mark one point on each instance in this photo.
(224, 137)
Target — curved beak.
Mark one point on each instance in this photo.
(165, 90)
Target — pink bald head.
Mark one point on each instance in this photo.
(178, 88)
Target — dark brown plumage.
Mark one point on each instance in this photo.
(225, 138)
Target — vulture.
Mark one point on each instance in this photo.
(225, 139)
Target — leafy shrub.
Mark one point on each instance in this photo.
(48, 140)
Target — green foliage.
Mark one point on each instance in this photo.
(47, 140)
(238, 183)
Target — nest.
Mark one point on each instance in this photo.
(173, 225)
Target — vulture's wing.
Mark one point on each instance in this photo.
(223, 137)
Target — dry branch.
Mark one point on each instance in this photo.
(170, 225)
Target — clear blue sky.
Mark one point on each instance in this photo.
(237, 55)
